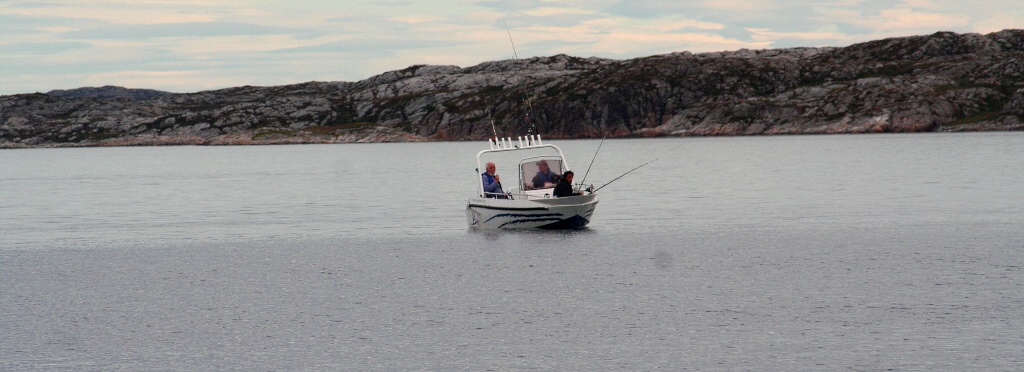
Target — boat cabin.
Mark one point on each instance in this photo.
(540, 166)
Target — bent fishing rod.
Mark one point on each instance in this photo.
(623, 175)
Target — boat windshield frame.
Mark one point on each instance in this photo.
(525, 147)
(534, 159)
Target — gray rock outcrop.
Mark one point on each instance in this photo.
(108, 92)
(939, 82)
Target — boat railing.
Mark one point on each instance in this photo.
(510, 143)
(498, 195)
(538, 194)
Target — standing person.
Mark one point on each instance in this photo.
(492, 182)
(544, 176)
(564, 187)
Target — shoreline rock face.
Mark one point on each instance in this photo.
(939, 82)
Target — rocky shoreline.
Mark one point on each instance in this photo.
(939, 82)
(372, 135)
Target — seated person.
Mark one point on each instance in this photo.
(492, 182)
(545, 178)
(564, 187)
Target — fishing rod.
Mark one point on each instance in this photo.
(624, 174)
(514, 54)
(519, 81)
(591, 164)
(493, 130)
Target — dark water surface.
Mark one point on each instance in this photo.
(872, 252)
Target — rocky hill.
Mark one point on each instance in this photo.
(939, 82)
(108, 92)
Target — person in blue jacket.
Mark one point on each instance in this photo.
(492, 182)
(545, 177)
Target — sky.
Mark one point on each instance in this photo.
(195, 45)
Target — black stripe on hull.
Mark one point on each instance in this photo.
(574, 222)
(507, 209)
(526, 220)
(528, 216)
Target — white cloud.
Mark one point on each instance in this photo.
(920, 4)
(667, 25)
(553, 11)
(741, 5)
(906, 19)
(415, 19)
(812, 37)
(999, 22)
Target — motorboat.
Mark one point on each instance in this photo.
(529, 203)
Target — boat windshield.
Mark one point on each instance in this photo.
(540, 173)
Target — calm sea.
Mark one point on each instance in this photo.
(854, 252)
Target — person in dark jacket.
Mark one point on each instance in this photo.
(564, 187)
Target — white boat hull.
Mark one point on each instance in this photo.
(556, 213)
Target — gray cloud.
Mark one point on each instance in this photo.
(33, 4)
(520, 20)
(11, 25)
(734, 32)
(369, 46)
(508, 6)
(652, 9)
(42, 49)
(192, 29)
